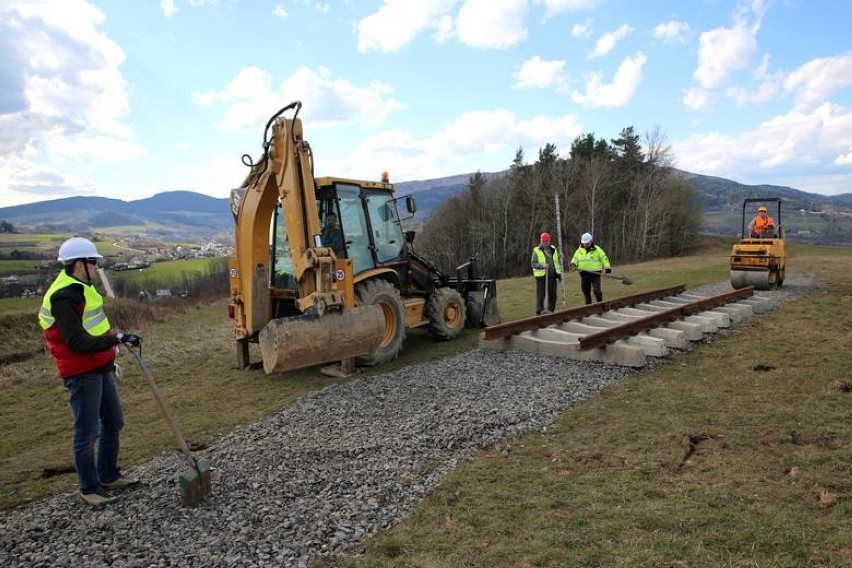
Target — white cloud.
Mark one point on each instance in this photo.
(398, 22)
(539, 73)
(619, 92)
(696, 98)
(332, 102)
(844, 159)
(553, 7)
(607, 41)
(762, 93)
(473, 137)
(27, 181)
(168, 7)
(782, 146)
(445, 29)
(492, 23)
(818, 79)
(582, 31)
(723, 51)
(65, 98)
(279, 12)
(673, 31)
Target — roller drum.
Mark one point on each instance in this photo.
(760, 279)
(304, 341)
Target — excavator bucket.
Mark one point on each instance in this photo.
(304, 341)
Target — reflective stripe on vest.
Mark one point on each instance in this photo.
(541, 259)
(95, 321)
(593, 260)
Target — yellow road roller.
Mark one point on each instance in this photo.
(760, 258)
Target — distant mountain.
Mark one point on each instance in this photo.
(186, 215)
(720, 194)
(172, 214)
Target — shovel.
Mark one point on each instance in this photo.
(195, 482)
(624, 279)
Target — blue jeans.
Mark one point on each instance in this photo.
(97, 417)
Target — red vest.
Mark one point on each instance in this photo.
(70, 363)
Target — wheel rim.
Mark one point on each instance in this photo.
(452, 315)
(390, 324)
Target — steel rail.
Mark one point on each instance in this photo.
(660, 318)
(507, 329)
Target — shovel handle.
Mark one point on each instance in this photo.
(161, 402)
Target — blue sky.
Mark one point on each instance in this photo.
(126, 99)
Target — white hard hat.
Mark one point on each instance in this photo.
(77, 247)
(586, 238)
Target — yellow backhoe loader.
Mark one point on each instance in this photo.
(323, 270)
(760, 258)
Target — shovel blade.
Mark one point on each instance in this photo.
(195, 483)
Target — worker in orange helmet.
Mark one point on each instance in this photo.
(762, 226)
(547, 269)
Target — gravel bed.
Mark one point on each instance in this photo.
(317, 478)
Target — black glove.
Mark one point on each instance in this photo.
(609, 270)
(572, 266)
(129, 339)
(559, 277)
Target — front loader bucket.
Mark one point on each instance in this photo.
(304, 341)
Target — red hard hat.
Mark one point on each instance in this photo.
(545, 237)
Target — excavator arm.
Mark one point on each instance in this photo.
(330, 328)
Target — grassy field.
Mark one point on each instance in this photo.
(169, 270)
(41, 244)
(735, 454)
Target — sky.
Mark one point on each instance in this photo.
(127, 99)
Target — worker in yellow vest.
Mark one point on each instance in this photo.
(83, 347)
(590, 259)
(547, 269)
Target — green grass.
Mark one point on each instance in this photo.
(13, 266)
(610, 484)
(768, 483)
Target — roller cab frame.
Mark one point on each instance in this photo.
(760, 261)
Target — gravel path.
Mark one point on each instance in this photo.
(323, 474)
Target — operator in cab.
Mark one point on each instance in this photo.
(762, 226)
(332, 234)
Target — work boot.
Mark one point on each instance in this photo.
(121, 483)
(97, 500)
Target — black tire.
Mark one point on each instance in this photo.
(446, 313)
(385, 295)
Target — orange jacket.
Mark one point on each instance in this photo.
(762, 224)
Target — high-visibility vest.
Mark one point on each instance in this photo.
(763, 224)
(95, 322)
(592, 259)
(541, 258)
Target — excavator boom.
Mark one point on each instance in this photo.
(325, 325)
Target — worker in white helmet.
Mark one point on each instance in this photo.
(590, 260)
(83, 346)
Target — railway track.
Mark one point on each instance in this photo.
(628, 330)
